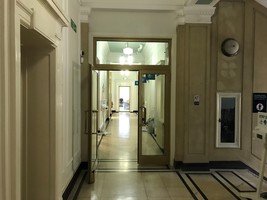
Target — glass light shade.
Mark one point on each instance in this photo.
(130, 59)
(128, 51)
(122, 60)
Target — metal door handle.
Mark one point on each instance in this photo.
(86, 128)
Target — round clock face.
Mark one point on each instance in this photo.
(230, 47)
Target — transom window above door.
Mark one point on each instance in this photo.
(131, 52)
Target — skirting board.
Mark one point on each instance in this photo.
(69, 190)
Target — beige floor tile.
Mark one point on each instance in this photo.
(88, 198)
(111, 192)
(89, 195)
(124, 198)
(179, 193)
(152, 180)
(157, 192)
(171, 180)
(118, 150)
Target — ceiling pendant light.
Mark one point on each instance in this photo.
(127, 50)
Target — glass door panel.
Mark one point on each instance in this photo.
(228, 123)
(133, 53)
(94, 115)
(153, 132)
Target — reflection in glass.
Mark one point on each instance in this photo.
(94, 119)
(153, 114)
(124, 126)
(228, 120)
(132, 53)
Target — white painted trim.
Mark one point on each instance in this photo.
(11, 145)
(199, 14)
(262, 2)
(34, 27)
(191, 2)
(214, 2)
(85, 12)
(24, 7)
(2, 102)
(25, 13)
(195, 14)
(59, 12)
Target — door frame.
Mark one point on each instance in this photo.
(157, 68)
(143, 159)
(31, 141)
(155, 159)
(237, 120)
(89, 118)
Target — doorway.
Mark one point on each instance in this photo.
(150, 59)
(134, 135)
(118, 139)
(38, 116)
(124, 98)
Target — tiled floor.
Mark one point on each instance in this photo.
(135, 186)
(120, 143)
(118, 176)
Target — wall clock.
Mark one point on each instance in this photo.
(230, 47)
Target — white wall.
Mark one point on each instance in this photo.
(70, 152)
(45, 18)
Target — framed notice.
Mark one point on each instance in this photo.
(259, 102)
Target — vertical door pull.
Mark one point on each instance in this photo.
(86, 123)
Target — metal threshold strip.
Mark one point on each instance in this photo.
(121, 165)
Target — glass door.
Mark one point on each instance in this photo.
(154, 119)
(93, 124)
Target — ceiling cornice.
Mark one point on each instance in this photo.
(85, 12)
(200, 14)
(168, 5)
(187, 11)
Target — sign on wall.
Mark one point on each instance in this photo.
(262, 121)
(73, 26)
(259, 102)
